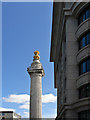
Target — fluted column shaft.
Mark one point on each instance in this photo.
(36, 95)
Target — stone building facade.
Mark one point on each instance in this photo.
(9, 115)
(70, 52)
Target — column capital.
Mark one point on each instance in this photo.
(36, 71)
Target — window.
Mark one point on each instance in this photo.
(85, 40)
(88, 65)
(84, 115)
(3, 113)
(84, 15)
(84, 66)
(84, 91)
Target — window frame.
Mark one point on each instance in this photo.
(83, 15)
(86, 40)
(83, 92)
(81, 68)
(85, 113)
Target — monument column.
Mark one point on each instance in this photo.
(36, 73)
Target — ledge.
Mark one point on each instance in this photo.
(82, 104)
(79, 105)
(83, 79)
(83, 53)
(82, 28)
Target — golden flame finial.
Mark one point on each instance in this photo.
(36, 55)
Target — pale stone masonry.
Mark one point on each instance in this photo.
(36, 73)
(67, 57)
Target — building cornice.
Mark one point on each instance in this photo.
(55, 27)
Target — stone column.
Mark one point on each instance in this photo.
(36, 72)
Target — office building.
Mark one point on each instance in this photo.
(70, 52)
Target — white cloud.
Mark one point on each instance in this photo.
(24, 103)
(48, 98)
(26, 115)
(17, 98)
(25, 98)
(6, 109)
(24, 106)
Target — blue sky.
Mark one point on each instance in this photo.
(26, 27)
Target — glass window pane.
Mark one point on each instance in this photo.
(88, 90)
(88, 86)
(88, 65)
(81, 69)
(84, 67)
(83, 42)
(82, 92)
(81, 18)
(83, 115)
(88, 38)
(79, 44)
(88, 115)
(87, 14)
(84, 17)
